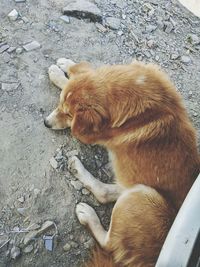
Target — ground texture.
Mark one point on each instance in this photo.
(34, 191)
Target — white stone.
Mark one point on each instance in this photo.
(31, 46)
(13, 15)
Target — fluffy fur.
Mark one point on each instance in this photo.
(137, 114)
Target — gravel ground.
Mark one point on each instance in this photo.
(35, 184)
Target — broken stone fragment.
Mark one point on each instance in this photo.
(28, 249)
(65, 19)
(15, 252)
(33, 234)
(13, 15)
(53, 162)
(83, 9)
(113, 23)
(3, 48)
(31, 46)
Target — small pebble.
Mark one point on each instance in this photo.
(65, 19)
(186, 60)
(84, 191)
(19, 50)
(53, 163)
(21, 199)
(28, 249)
(77, 185)
(31, 46)
(67, 247)
(113, 23)
(11, 49)
(15, 252)
(13, 15)
(3, 48)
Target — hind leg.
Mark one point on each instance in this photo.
(88, 217)
(103, 192)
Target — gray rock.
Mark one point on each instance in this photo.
(186, 60)
(11, 49)
(83, 9)
(13, 15)
(20, 1)
(31, 46)
(15, 252)
(168, 27)
(67, 247)
(22, 211)
(193, 39)
(30, 237)
(21, 199)
(19, 50)
(101, 28)
(65, 18)
(6, 57)
(28, 249)
(53, 163)
(3, 48)
(33, 234)
(77, 185)
(174, 56)
(150, 28)
(113, 23)
(9, 86)
(84, 191)
(72, 153)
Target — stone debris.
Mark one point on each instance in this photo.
(6, 57)
(9, 86)
(3, 48)
(67, 247)
(65, 19)
(83, 9)
(193, 39)
(22, 211)
(53, 162)
(174, 56)
(13, 15)
(20, 1)
(21, 199)
(72, 153)
(31, 46)
(15, 252)
(11, 49)
(100, 27)
(113, 23)
(33, 234)
(168, 27)
(186, 60)
(84, 191)
(28, 249)
(19, 50)
(77, 185)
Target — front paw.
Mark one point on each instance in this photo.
(64, 64)
(55, 73)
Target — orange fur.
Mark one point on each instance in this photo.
(137, 114)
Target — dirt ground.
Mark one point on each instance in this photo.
(31, 190)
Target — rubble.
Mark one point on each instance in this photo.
(31, 46)
(83, 9)
(13, 15)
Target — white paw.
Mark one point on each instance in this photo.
(55, 73)
(86, 214)
(65, 63)
(75, 166)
